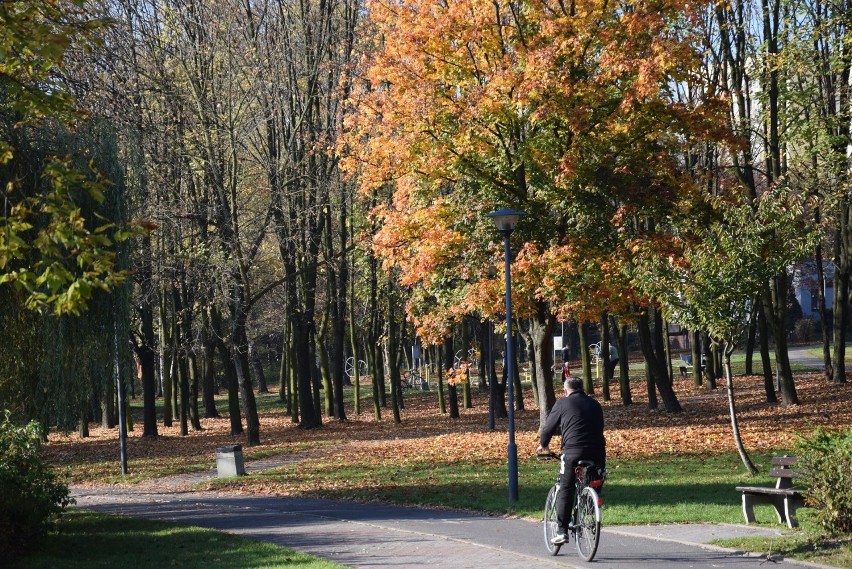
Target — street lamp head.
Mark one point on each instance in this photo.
(506, 218)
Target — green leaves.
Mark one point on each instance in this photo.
(707, 276)
(826, 465)
(48, 250)
(46, 246)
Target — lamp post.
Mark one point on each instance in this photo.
(505, 219)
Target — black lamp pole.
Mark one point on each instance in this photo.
(505, 219)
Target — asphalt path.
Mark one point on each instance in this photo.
(380, 536)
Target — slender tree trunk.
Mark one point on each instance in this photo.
(442, 406)
(529, 347)
(696, 358)
(208, 348)
(775, 296)
(257, 368)
(841, 298)
(765, 357)
(166, 355)
(496, 401)
(605, 342)
(234, 412)
(623, 363)
(709, 362)
(588, 384)
(353, 342)
(751, 340)
(738, 441)
(654, 353)
(651, 388)
(823, 316)
(449, 357)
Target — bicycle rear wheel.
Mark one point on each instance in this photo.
(587, 526)
(551, 524)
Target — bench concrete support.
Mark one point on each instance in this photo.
(785, 506)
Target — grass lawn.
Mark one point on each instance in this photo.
(129, 543)
(806, 544)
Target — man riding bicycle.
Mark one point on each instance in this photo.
(579, 420)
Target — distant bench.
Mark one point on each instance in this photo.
(783, 496)
(686, 364)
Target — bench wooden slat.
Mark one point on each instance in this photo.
(784, 460)
(785, 473)
(767, 490)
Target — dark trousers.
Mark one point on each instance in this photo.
(612, 364)
(567, 480)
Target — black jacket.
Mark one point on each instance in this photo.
(579, 420)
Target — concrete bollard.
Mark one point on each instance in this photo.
(229, 461)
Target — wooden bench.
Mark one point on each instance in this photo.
(685, 364)
(784, 497)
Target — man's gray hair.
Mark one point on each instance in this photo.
(574, 384)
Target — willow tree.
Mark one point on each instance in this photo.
(60, 224)
(707, 276)
(47, 250)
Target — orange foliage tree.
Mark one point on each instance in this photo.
(557, 109)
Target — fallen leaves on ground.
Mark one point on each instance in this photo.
(426, 436)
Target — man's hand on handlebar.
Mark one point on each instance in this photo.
(544, 453)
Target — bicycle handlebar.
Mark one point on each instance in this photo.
(548, 456)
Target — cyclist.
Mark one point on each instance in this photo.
(579, 420)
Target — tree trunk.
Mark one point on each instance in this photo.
(234, 413)
(709, 362)
(447, 367)
(166, 355)
(623, 364)
(208, 348)
(775, 302)
(651, 387)
(257, 368)
(541, 335)
(605, 342)
(696, 358)
(823, 316)
(751, 340)
(442, 406)
(529, 347)
(654, 353)
(738, 441)
(583, 331)
(765, 358)
(496, 395)
(841, 299)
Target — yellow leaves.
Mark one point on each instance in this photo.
(457, 376)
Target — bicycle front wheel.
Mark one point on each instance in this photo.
(587, 526)
(551, 523)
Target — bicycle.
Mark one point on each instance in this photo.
(412, 378)
(586, 513)
(349, 368)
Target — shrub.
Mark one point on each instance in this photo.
(806, 329)
(31, 498)
(826, 464)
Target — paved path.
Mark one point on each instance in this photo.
(379, 536)
(801, 356)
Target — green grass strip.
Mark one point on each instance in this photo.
(87, 540)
